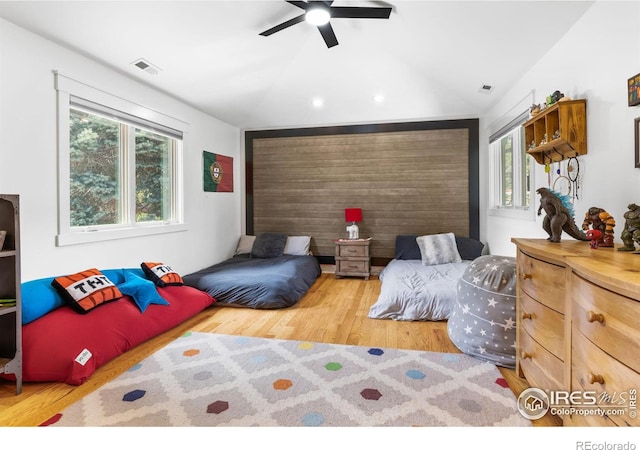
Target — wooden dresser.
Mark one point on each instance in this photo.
(578, 315)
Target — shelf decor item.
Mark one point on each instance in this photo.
(597, 219)
(3, 234)
(559, 216)
(631, 233)
(353, 215)
(634, 90)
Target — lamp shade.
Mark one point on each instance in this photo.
(353, 215)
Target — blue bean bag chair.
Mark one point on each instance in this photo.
(483, 320)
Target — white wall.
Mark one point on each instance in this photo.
(28, 158)
(593, 61)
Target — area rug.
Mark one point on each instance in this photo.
(204, 379)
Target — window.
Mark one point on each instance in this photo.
(119, 173)
(511, 172)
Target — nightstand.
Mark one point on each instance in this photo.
(353, 258)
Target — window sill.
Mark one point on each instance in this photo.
(83, 237)
(509, 213)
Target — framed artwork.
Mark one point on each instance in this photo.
(217, 172)
(636, 126)
(634, 90)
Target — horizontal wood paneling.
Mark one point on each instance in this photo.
(407, 181)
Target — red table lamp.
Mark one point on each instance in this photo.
(353, 215)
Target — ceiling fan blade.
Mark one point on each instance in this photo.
(301, 5)
(352, 12)
(283, 25)
(328, 35)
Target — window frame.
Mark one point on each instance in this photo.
(518, 210)
(68, 90)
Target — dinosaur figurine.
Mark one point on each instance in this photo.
(560, 216)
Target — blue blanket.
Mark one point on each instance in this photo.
(260, 283)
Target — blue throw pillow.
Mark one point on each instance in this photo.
(142, 291)
(38, 299)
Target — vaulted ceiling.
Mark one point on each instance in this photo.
(429, 60)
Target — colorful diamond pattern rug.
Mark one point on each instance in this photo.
(204, 379)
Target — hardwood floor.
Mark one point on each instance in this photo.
(334, 311)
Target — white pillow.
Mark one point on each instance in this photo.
(297, 245)
(245, 244)
(438, 249)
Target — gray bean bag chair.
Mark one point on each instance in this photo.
(483, 320)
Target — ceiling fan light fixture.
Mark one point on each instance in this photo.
(320, 14)
(317, 16)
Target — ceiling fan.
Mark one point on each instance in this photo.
(320, 13)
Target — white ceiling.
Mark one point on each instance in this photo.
(429, 60)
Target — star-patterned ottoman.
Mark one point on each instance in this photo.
(483, 319)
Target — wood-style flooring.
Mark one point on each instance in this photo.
(333, 311)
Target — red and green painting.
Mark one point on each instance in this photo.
(218, 172)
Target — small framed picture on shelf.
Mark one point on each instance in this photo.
(636, 127)
(634, 90)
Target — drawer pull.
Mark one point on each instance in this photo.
(526, 276)
(526, 316)
(593, 378)
(525, 355)
(594, 317)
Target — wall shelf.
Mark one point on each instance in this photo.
(557, 132)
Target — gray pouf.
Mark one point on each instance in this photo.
(483, 320)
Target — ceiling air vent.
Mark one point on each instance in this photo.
(145, 65)
(486, 88)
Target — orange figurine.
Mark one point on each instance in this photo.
(601, 221)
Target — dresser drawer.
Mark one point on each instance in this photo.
(542, 281)
(542, 323)
(352, 250)
(346, 266)
(541, 368)
(594, 370)
(609, 320)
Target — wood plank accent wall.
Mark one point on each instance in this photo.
(408, 178)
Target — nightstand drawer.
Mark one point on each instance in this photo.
(542, 281)
(353, 250)
(343, 266)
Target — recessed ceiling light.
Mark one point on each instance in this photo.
(317, 102)
(378, 98)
